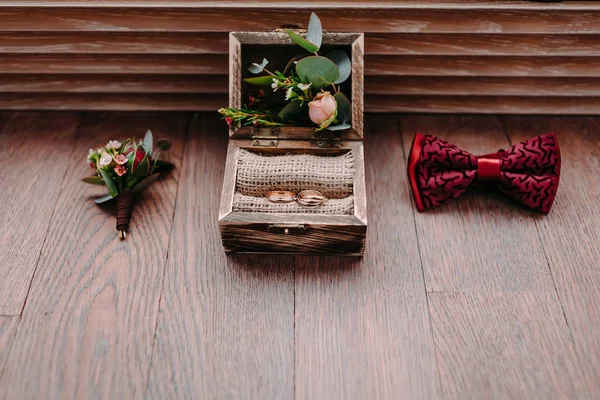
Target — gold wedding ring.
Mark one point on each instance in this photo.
(306, 198)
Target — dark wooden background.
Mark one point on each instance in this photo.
(430, 55)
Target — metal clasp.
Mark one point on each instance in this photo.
(287, 229)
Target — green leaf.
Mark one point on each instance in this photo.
(93, 180)
(110, 184)
(339, 127)
(292, 110)
(319, 71)
(142, 168)
(341, 59)
(163, 144)
(344, 108)
(144, 183)
(148, 142)
(260, 80)
(258, 68)
(299, 40)
(314, 33)
(103, 199)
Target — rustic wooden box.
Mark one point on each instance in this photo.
(252, 232)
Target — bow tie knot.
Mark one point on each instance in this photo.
(529, 171)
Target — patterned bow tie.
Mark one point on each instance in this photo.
(529, 172)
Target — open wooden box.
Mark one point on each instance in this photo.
(300, 233)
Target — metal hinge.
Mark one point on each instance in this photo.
(327, 139)
(265, 137)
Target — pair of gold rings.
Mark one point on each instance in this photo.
(306, 198)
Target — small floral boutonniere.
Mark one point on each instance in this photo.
(126, 169)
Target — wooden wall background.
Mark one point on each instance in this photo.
(430, 55)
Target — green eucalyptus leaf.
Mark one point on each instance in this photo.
(299, 40)
(93, 180)
(148, 145)
(110, 184)
(341, 59)
(319, 71)
(344, 108)
(258, 68)
(260, 80)
(163, 144)
(293, 109)
(339, 127)
(314, 33)
(103, 199)
(144, 183)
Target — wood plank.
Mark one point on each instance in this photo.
(226, 325)
(497, 44)
(240, 18)
(89, 322)
(113, 64)
(482, 85)
(362, 325)
(8, 328)
(500, 5)
(389, 65)
(120, 102)
(95, 83)
(504, 346)
(33, 150)
(482, 66)
(483, 104)
(570, 233)
(113, 42)
(480, 241)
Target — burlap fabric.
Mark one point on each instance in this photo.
(258, 174)
(242, 203)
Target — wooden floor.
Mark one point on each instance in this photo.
(476, 299)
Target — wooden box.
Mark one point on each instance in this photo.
(258, 232)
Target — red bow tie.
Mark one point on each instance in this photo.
(529, 172)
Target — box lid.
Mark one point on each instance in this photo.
(273, 42)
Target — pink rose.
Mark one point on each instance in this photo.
(323, 109)
(120, 170)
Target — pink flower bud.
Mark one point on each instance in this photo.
(120, 170)
(322, 109)
(120, 159)
(228, 120)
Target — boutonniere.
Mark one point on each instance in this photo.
(126, 169)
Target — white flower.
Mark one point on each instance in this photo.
(288, 93)
(113, 144)
(275, 84)
(304, 87)
(91, 153)
(105, 160)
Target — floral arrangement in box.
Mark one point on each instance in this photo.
(126, 169)
(311, 83)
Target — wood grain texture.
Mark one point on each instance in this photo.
(34, 150)
(480, 241)
(477, 85)
(89, 321)
(570, 235)
(483, 104)
(417, 19)
(8, 328)
(504, 346)
(362, 326)
(226, 326)
(127, 84)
